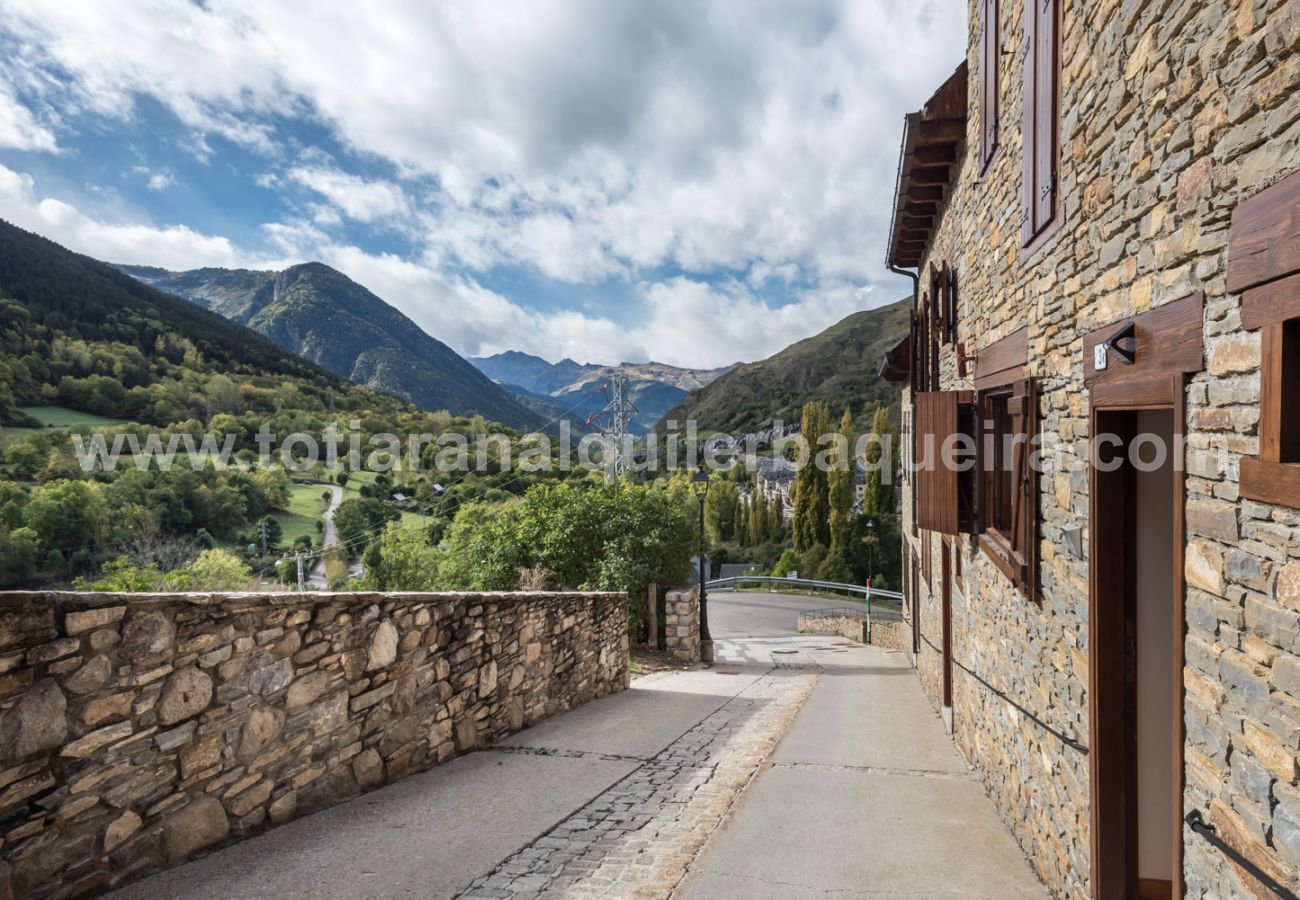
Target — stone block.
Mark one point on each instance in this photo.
(186, 693)
(196, 826)
(37, 723)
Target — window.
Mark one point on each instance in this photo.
(1001, 503)
(1042, 109)
(950, 304)
(1264, 268)
(1009, 482)
(995, 495)
(990, 58)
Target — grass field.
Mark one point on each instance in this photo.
(305, 507)
(53, 417)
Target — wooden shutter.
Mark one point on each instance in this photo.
(949, 305)
(1024, 511)
(938, 487)
(990, 55)
(1041, 108)
(1045, 118)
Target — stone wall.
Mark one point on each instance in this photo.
(682, 623)
(852, 627)
(139, 730)
(1171, 116)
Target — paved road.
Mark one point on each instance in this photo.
(316, 580)
(737, 615)
(799, 764)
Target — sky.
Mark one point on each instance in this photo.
(695, 182)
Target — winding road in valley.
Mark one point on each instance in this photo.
(317, 580)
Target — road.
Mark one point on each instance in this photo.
(741, 614)
(799, 766)
(316, 580)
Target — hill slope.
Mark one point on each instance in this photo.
(837, 366)
(324, 316)
(654, 387)
(57, 297)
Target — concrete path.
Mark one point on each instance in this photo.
(796, 765)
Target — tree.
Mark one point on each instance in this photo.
(402, 559)
(18, 555)
(217, 570)
(840, 488)
(273, 529)
(360, 518)
(811, 501)
(879, 496)
(720, 508)
(67, 514)
(789, 562)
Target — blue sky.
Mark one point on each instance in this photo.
(691, 182)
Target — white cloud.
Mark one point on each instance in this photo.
(175, 246)
(365, 201)
(580, 136)
(19, 129)
(588, 139)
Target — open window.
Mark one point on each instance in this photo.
(974, 455)
(1008, 520)
(1264, 266)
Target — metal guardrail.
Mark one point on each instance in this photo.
(724, 584)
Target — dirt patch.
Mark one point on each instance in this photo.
(647, 662)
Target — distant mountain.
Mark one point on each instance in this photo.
(838, 366)
(324, 316)
(654, 387)
(133, 338)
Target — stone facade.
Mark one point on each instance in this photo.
(852, 627)
(139, 730)
(682, 623)
(1171, 116)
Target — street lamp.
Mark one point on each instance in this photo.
(700, 483)
(870, 540)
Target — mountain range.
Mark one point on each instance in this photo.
(322, 315)
(839, 366)
(553, 388)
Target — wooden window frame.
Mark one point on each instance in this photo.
(1041, 209)
(990, 93)
(1015, 554)
(1264, 267)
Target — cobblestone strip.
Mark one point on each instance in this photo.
(637, 838)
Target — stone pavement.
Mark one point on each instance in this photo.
(798, 764)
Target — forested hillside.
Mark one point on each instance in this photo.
(837, 367)
(326, 317)
(87, 349)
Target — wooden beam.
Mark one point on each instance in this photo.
(1272, 303)
(1264, 239)
(941, 131)
(920, 193)
(929, 175)
(930, 156)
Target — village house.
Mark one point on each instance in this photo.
(775, 479)
(1101, 209)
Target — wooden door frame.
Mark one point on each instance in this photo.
(945, 572)
(1110, 865)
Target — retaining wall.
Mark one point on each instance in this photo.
(137, 731)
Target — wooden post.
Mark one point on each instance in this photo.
(652, 616)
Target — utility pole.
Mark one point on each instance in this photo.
(615, 417)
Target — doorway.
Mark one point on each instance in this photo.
(946, 589)
(1136, 634)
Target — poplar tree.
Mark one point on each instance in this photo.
(840, 487)
(879, 497)
(811, 488)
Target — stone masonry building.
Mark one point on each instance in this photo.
(1101, 209)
